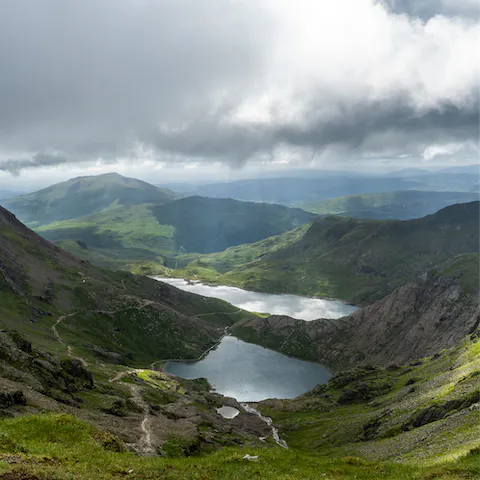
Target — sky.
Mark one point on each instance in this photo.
(188, 90)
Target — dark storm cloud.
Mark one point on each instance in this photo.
(383, 126)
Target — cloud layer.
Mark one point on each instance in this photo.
(235, 81)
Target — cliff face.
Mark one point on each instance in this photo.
(416, 320)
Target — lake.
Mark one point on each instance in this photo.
(251, 373)
(294, 306)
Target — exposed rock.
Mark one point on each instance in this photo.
(81, 375)
(416, 320)
(8, 399)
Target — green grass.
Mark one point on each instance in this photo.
(115, 237)
(140, 236)
(223, 267)
(61, 447)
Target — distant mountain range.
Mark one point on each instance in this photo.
(317, 186)
(145, 233)
(129, 222)
(296, 191)
(8, 193)
(126, 223)
(403, 205)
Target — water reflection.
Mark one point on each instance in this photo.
(252, 373)
(294, 306)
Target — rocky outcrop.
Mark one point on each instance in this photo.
(40, 371)
(416, 320)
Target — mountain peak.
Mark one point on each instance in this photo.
(82, 196)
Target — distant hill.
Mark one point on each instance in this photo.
(147, 232)
(295, 191)
(82, 196)
(356, 260)
(403, 205)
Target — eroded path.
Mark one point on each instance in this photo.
(144, 445)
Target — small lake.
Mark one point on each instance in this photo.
(251, 373)
(294, 306)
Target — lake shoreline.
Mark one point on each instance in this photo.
(250, 373)
(246, 371)
(294, 306)
(209, 283)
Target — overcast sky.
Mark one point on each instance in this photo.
(195, 89)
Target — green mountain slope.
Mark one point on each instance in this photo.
(79, 401)
(60, 446)
(403, 205)
(82, 196)
(207, 225)
(73, 339)
(356, 260)
(416, 421)
(150, 233)
(128, 317)
(425, 409)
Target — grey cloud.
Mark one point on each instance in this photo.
(78, 75)
(426, 9)
(385, 126)
(15, 166)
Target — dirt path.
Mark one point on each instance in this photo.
(145, 446)
(143, 304)
(118, 376)
(60, 340)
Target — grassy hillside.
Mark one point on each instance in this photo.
(417, 422)
(82, 196)
(124, 237)
(129, 318)
(403, 205)
(59, 446)
(79, 399)
(356, 260)
(426, 409)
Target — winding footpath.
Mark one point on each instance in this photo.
(60, 340)
(62, 318)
